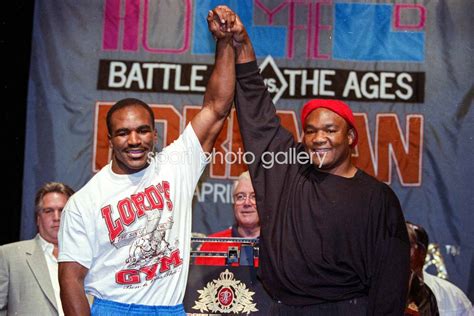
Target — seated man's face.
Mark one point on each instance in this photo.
(245, 209)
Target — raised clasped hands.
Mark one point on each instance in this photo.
(223, 23)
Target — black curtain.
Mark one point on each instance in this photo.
(15, 38)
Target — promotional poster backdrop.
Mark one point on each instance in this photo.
(404, 67)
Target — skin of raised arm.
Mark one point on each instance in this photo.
(241, 42)
(218, 98)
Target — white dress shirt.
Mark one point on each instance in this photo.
(52, 263)
(451, 300)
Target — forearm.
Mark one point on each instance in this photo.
(218, 98)
(220, 88)
(73, 299)
(73, 295)
(244, 51)
(258, 120)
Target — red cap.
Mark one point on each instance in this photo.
(338, 107)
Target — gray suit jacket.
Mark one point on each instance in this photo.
(25, 285)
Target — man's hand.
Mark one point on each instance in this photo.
(224, 23)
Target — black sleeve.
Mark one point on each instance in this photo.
(258, 121)
(262, 134)
(390, 256)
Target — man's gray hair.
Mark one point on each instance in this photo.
(243, 176)
(51, 187)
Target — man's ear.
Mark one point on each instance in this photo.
(350, 136)
(109, 138)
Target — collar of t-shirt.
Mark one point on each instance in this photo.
(129, 179)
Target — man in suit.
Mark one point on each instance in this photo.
(29, 269)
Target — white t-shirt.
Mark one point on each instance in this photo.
(133, 231)
(451, 300)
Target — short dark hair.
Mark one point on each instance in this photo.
(420, 235)
(126, 103)
(51, 187)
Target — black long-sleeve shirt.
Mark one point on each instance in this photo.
(323, 237)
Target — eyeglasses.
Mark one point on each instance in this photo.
(240, 198)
